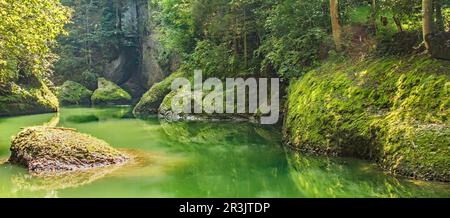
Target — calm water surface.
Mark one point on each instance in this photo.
(197, 160)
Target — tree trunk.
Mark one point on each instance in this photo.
(398, 23)
(336, 26)
(427, 17)
(373, 16)
(439, 17)
(245, 40)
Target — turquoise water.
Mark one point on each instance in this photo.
(197, 160)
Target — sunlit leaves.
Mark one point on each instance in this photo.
(28, 29)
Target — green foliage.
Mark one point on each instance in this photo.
(245, 37)
(214, 60)
(292, 56)
(173, 21)
(28, 30)
(94, 38)
(391, 110)
(407, 11)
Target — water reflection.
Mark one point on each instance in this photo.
(229, 160)
(214, 133)
(338, 177)
(82, 119)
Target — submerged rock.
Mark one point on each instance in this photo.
(50, 149)
(108, 93)
(73, 93)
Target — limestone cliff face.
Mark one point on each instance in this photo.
(136, 68)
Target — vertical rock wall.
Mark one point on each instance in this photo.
(136, 68)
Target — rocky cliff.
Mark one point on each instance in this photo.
(135, 68)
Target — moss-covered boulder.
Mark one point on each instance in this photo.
(394, 111)
(165, 109)
(73, 93)
(152, 99)
(108, 93)
(32, 97)
(54, 150)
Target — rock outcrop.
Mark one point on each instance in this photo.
(73, 93)
(136, 67)
(55, 150)
(109, 93)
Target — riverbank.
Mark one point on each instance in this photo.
(31, 96)
(393, 111)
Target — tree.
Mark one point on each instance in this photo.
(28, 31)
(403, 11)
(336, 26)
(373, 15)
(439, 15)
(427, 22)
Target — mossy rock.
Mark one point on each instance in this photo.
(394, 111)
(440, 45)
(32, 98)
(73, 93)
(165, 109)
(108, 93)
(152, 99)
(45, 150)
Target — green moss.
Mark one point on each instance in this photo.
(152, 99)
(109, 93)
(48, 149)
(27, 99)
(393, 111)
(72, 93)
(165, 108)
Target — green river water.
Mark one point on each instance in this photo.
(197, 160)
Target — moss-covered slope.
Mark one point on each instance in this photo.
(394, 111)
(31, 98)
(73, 93)
(108, 93)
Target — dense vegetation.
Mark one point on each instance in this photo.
(285, 38)
(28, 31)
